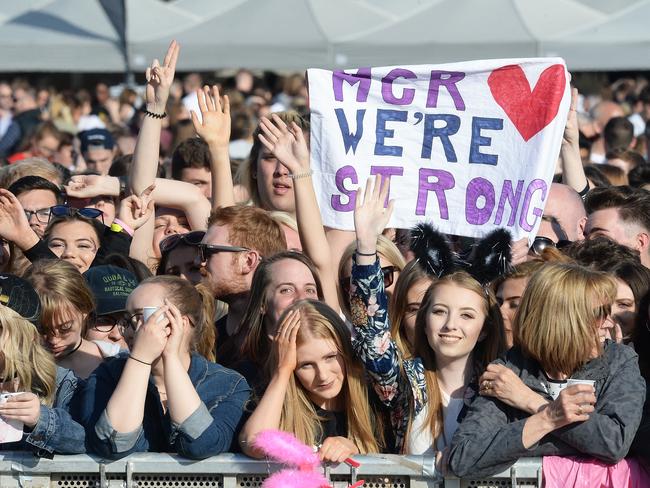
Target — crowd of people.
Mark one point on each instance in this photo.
(167, 285)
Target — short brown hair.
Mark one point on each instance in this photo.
(191, 153)
(633, 204)
(250, 227)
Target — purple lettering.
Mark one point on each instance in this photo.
(512, 197)
(534, 186)
(387, 172)
(477, 188)
(387, 87)
(444, 181)
(342, 174)
(449, 80)
(362, 76)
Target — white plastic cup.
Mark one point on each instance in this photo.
(148, 312)
(571, 382)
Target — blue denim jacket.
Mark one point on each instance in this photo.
(57, 431)
(210, 430)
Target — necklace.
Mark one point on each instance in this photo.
(76, 348)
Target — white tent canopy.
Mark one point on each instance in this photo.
(77, 35)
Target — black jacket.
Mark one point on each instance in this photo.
(489, 439)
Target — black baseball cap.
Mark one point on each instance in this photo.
(96, 139)
(20, 296)
(111, 286)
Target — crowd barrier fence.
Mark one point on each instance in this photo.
(149, 470)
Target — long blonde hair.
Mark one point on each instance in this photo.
(298, 412)
(25, 358)
(485, 350)
(557, 317)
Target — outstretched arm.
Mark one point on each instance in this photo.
(573, 173)
(147, 149)
(289, 146)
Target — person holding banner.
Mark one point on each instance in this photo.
(458, 331)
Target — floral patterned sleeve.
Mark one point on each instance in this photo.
(372, 340)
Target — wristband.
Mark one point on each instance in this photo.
(304, 174)
(359, 253)
(122, 227)
(139, 360)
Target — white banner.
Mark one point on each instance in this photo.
(468, 146)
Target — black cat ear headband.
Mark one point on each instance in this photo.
(490, 257)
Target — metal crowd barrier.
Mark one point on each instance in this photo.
(149, 470)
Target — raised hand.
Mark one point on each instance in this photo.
(176, 331)
(151, 337)
(14, 225)
(370, 215)
(285, 143)
(284, 342)
(571, 131)
(135, 210)
(159, 79)
(214, 128)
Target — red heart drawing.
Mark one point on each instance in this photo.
(529, 111)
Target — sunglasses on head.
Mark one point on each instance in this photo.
(207, 250)
(66, 210)
(191, 239)
(540, 243)
(387, 271)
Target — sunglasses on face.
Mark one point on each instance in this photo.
(66, 210)
(207, 250)
(192, 239)
(541, 243)
(387, 271)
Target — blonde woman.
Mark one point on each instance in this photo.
(559, 330)
(458, 331)
(43, 393)
(317, 389)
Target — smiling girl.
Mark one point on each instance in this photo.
(318, 389)
(457, 332)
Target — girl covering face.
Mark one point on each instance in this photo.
(317, 389)
(164, 381)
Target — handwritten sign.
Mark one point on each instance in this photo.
(468, 146)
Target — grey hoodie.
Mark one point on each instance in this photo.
(489, 439)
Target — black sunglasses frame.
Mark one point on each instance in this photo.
(192, 239)
(66, 210)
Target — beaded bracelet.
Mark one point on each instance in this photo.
(304, 174)
(155, 115)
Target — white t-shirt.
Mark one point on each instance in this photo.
(420, 440)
